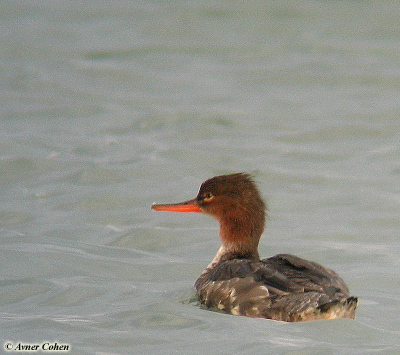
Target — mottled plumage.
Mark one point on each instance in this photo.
(283, 287)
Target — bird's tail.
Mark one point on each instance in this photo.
(343, 308)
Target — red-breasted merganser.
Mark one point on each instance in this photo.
(283, 287)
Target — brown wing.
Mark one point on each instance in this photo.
(242, 286)
(309, 275)
(276, 288)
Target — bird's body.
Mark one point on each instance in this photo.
(283, 287)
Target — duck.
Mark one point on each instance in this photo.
(283, 287)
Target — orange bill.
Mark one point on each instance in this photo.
(187, 206)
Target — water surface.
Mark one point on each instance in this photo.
(107, 107)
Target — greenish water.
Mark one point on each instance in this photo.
(109, 106)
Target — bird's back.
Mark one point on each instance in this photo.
(283, 287)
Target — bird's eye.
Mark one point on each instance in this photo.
(208, 196)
